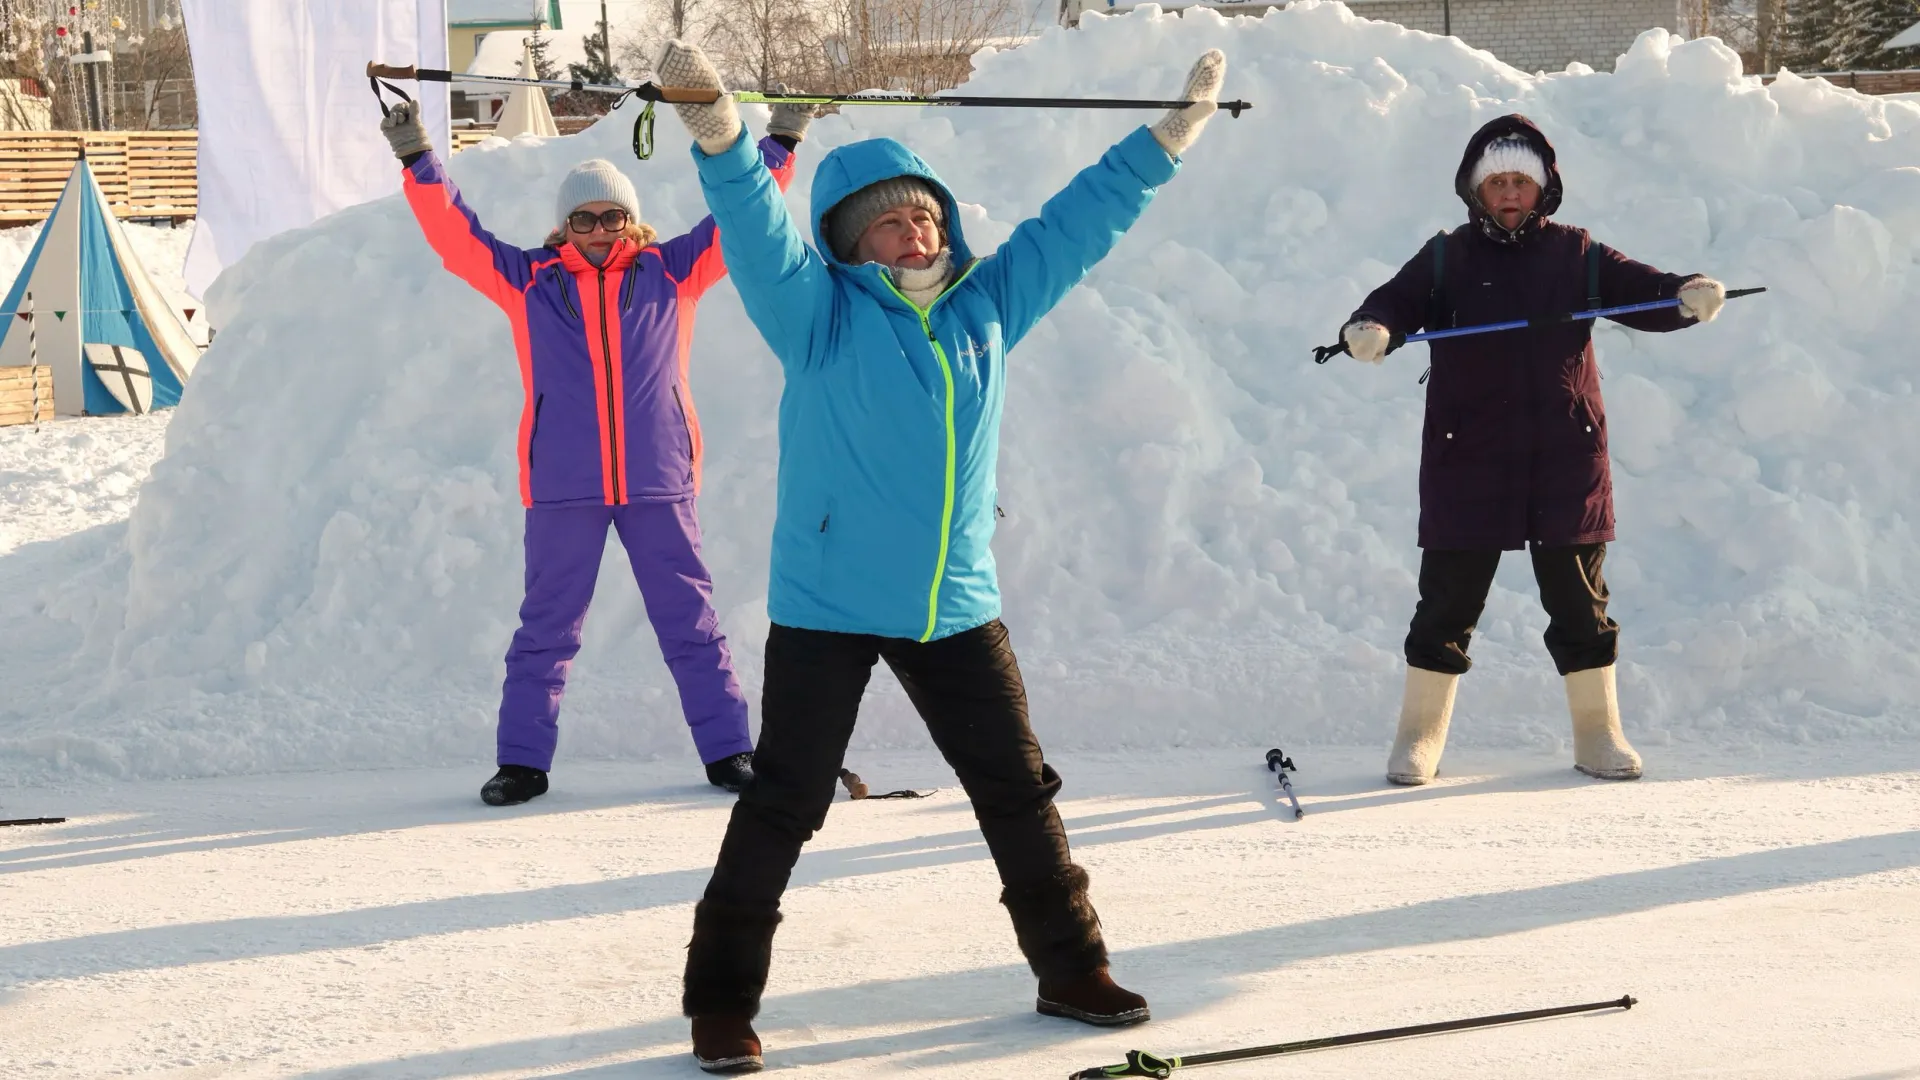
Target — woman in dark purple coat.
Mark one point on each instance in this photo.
(1514, 451)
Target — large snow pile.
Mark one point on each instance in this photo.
(1208, 539)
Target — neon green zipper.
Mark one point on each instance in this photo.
(946, 507)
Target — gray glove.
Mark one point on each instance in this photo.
(790, 118)
(715, 126)
(1177, 130)
(404, 131)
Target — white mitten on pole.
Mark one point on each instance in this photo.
(1367, 341)
(715, 126)
(1177, 130)
(1701, 299)
(790, 119)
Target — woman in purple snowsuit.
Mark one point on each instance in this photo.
(1515, 448)
(602, 318)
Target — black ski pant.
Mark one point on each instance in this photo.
(1453, 593)
(967, 689)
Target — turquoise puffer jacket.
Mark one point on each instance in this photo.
(890, 419)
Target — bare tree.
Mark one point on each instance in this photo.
(685, 20)
(155, 79)
(918, 46)
(764, 43)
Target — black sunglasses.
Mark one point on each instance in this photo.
(583, 221)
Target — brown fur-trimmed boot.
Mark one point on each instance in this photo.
(726, 974)
(1059, 932)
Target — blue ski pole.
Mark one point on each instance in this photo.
(1324, 353)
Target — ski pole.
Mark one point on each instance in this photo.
(1280, 765)
(33, 821)
(1140, 1063)
(1324, 353)
(681, 95)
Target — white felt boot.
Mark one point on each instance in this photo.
(1425, 712)
(1599, 747)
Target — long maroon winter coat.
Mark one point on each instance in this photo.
(1515, 443)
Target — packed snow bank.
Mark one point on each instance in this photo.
(1208, 539)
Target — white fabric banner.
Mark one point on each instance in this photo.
(289, 131)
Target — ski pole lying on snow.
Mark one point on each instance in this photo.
(1139, 1063)
(1279, 764)
(650, 93)
(34, 821)
(1324, 353)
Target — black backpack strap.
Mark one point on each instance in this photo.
(1438, 316)
(1593, 275)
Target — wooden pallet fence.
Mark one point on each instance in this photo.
(26, 395)
(144, 174)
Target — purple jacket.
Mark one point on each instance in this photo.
(1515, 442)
(608, 418)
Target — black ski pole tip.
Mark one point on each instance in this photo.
(1629, 1001)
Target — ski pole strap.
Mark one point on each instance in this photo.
(377, 84)
(643, 133)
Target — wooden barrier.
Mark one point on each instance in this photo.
(144, 174)
(26, 395)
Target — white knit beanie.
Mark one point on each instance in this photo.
(596, 181)
(1509, 154)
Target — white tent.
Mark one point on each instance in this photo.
(1905, 39)
(85, 307)
(526, 112)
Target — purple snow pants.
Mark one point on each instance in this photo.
(564, 546)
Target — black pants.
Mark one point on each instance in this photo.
(967, 689)
(1453, 593)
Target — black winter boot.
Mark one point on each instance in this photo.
(731, 773)
(513, 784)
(726, 1044)
(1092, 999)
(1059, 932)
(727, 960)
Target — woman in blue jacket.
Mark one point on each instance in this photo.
(893, 339)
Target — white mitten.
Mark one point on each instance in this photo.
(714, 126)
(1177, 130)
(1367, 341)
(1701, 299)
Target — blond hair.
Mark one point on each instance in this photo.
(639, 232)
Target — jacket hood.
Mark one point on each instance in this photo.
(849, 168)
(1518, 125)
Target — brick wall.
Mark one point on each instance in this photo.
(1535, 35)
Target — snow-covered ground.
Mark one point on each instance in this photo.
(385, 926)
